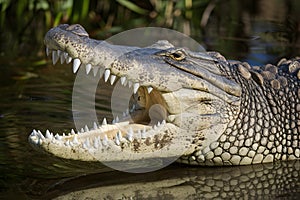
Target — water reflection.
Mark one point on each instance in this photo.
(268, 181)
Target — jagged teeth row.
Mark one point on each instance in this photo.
(96, 142)
(64, 57)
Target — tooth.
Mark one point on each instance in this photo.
(58, 137)
(68, 59)
(47, 51)
(130, 135)
(95, 126)
(95, 70)
(158, 124)
(66, 55)
(82, 130)
(127, 111)
(86, 129)
(143, 134)
(75, 140)
(87, 142)
(117, 119)
(105, 140)
(67, 143)
(163, 122)
(58, 53)
(154, 127)
(96, 143)
(124, 114)
(112, 79)
(113, 121)
(119, 135)
(76, 64)
(62, 59)
(106, 74)
(33, 133)
(54, 57)
(88, 68)
(73, 132)
(104, 122)
(129, 84)
(149, 89)
(117, 141)
(48, 135)
(136, 87)
(40, 135)
(123, 79)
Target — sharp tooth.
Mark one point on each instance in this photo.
(76, 64)
(123, 79)
(104, 122)
(73, 132)
(130, 135)
(117, 119)
(68, 59)
(66, 55)
(86, 129)
(40, 135)
(62, 59)
(54, 57)
(143, 134)
(124, 114)
(163, 122)
(119, 135)
(95, 70)
(105, 140)
(58, 137)
(96, 143)
(127, 111)
(82, 130)
(95, 126)
(88, 68)
(33, 133)
(75, 140)
(117, 141)
(87, 142)
(149, 89)
(112, 79)
(136, 87)
(154, 127)
(129, 84)
(48, 134)
(106, 74)
(158, 124)
(47, 51)
(58, 53)
(67, 143)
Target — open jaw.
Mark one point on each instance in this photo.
(143, 131)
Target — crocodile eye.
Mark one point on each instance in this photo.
(178, 55)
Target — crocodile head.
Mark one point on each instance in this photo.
(181, 100)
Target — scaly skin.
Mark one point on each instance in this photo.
(209, 111)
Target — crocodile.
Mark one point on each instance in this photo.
(196, 107)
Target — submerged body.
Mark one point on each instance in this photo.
(197, 107)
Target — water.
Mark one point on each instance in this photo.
(40, 97)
